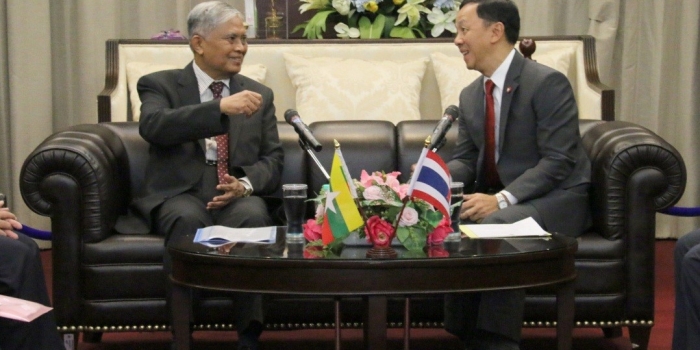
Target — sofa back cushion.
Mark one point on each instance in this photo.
(564, 53)
(335, 88)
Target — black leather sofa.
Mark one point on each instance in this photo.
(84, 177)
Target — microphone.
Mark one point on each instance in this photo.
(292, 117)
(437, 140)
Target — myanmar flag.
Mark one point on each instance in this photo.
(342, 215)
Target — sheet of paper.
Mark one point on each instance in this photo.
(524, 228)
(217, 235)
(20, 309)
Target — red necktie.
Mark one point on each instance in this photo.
(492, 178)
(222, 140)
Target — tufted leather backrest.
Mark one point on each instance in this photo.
(366, 145)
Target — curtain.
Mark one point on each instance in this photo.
(52, 70)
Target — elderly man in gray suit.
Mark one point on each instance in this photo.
(214, 146)
(519, 146)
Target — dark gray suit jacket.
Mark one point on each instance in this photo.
(175, 122)
(541, 160)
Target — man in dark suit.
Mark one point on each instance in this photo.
(192, 117)
(519, 147)
(21, 276)
(686, 324)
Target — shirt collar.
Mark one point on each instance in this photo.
(499, 76)
(204, 80)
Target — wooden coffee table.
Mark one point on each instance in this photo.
(282, 269)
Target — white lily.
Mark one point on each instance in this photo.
(312, 5)
(346, 32)
(342, 6)
(442, 21)
(411, 10)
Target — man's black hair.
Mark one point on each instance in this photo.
(504, 11)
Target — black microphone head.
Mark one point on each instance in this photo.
(289, 114)
(452, 111)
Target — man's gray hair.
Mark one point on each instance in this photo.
(205, 17)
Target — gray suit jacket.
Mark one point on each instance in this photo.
(541, 160)
(175, 122)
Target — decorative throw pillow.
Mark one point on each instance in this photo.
(452, 76)
(560, 60)
(332, 88)
(135, 70)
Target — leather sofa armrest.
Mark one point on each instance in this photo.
(635, 173)
(631, 165)
(74, 177)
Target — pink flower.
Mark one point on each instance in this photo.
(379, 232)
(314, 252)
(312, 230)
(437, 252)
(409, 217)
(441, 231)
(403, 191)
(392, 181)
(373, 193)
(320, 211)
(366, 180)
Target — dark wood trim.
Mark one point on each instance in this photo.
(104, 108)
(607, 101)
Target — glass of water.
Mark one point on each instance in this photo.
(294, 196)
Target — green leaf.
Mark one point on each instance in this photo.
(433, 217)
(300, 27)
(402, 32)
(369, 30)
(420, 32)
(413, 238)
(388, 26)
(316, 26)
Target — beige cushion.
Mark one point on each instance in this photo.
(333, 88)
(561, 60)
(135, 70)
(452, 74)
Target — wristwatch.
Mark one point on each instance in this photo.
(248, 190)
(502, 202)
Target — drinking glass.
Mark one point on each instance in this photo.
(294, 196)
(457, 189)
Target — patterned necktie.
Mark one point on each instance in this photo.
(492, 178)
(222, 140)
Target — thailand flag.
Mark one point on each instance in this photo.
(431, 182)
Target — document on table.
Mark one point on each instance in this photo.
(20, 309)
(218, 235)
(523, 228)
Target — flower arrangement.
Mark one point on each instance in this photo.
(381, 197)
(375, 19)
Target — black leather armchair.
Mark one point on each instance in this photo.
(84, 177)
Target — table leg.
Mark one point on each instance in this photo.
(181, 308)
(337, 323)
(565, 315)
(375, 322)
(407, 325)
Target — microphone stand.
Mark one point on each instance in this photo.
(308, 150)
(439, 145)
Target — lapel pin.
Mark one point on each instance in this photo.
(508, 89)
